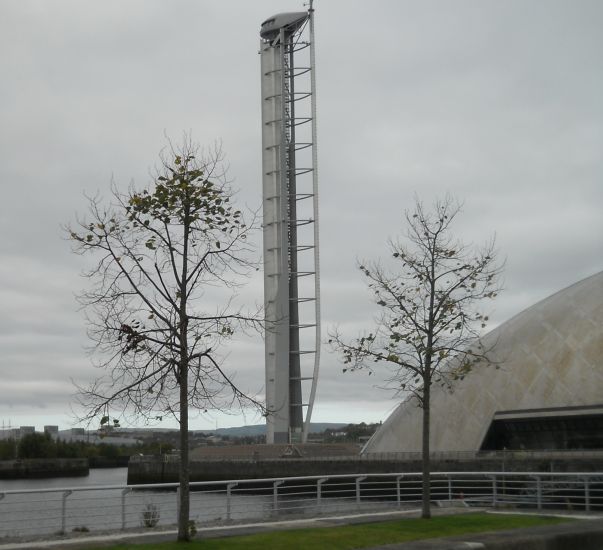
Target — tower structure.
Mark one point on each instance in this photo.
(290, 224)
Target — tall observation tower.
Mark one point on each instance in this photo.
(290, 206)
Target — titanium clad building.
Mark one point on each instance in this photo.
(546, 395)
(290, 224)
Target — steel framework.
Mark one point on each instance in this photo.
(290, 224)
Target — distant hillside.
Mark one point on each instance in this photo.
(260, 429)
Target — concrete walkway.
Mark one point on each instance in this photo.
(582, 534)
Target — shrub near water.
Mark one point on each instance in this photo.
(150, 515)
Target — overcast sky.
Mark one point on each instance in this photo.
(499, 103)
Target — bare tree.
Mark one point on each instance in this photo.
(428, 327)
(162, 256)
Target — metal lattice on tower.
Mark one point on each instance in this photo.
(290, 224)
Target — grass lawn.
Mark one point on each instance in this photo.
(359, 536)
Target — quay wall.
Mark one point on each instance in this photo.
(108, 461)
(164, 469)
(30, 468)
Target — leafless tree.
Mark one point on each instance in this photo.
(428, 328)
(162, 256)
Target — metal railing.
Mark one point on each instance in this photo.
(65, 510)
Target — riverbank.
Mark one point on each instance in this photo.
(36, 468)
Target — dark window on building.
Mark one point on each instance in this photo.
(545, 433)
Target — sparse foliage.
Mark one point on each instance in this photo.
(168, 260)
(8, 449)
(37, 445)
(192, 528)
(429, 323)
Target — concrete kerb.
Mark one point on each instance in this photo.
(585, 535)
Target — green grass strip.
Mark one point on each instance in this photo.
(348, 537)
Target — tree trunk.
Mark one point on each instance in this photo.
(426, 464)
(184, 472)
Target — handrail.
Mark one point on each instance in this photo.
(114, 507)
(144, 486)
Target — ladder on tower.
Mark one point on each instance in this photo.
(301, 186)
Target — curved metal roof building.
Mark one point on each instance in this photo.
(547, 393)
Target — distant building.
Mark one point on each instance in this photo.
(25, 430)
(546, 395)
(53, 431)
(95, 438)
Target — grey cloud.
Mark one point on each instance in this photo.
(498, 103)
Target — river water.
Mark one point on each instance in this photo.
(62, 505)
(97, 476)
(69, 504)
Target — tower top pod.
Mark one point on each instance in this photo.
(290, 21)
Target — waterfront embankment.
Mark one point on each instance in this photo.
(34, 468)
(164, 469)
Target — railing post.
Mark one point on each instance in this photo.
(398, 495)
(494, 489)
(358, 480)
(275, 486)
(229, 487)
(177, 504)
(449, 487)
(64, 511)
(319, 490)
(587, 494)
(538, 493)
(124, 492)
